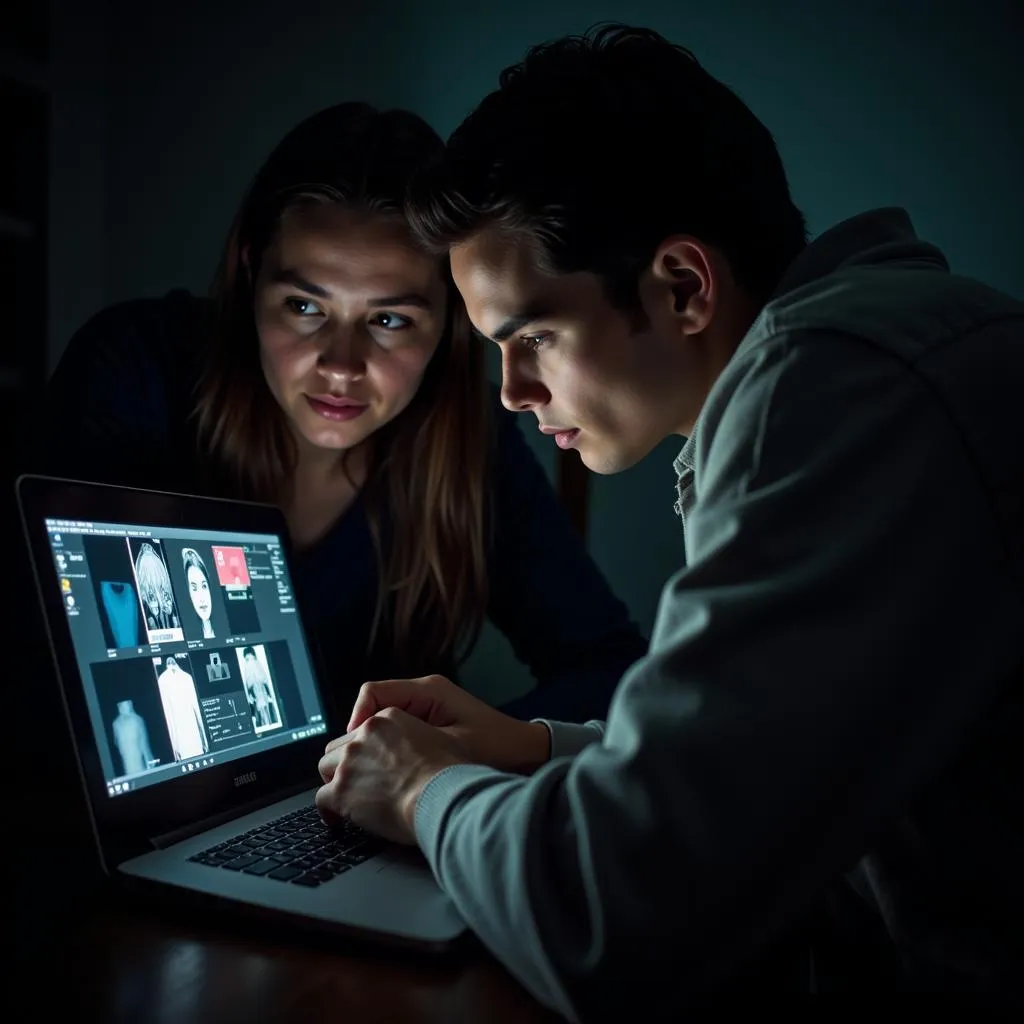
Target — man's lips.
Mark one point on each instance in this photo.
(564, 436)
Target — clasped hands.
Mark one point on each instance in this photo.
(401, 734)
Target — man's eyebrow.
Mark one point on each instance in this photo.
(516, 323)
(293, 277)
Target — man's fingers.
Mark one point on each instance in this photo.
(413, 696)
(325, 801)
(327, 765)
(338, 741)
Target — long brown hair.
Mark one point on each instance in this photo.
(427, 480)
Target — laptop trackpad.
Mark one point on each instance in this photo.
(401, 859)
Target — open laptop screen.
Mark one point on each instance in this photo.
(189, 645)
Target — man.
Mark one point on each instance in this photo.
(833, 689)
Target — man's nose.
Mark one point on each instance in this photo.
(521, 388)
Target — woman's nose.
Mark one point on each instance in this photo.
(343, 356)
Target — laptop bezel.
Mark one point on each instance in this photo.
(128, 823)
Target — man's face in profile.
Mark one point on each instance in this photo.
(596, 378)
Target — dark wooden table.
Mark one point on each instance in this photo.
(110, 957)
(76, 942)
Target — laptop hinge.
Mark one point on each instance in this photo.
(195, 828)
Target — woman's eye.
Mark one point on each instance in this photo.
(391, 321)
(303, 307)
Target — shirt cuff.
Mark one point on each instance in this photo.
(440, 794)
(450, 784)
(569, 738)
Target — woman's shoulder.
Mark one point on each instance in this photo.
(125, 387)
(148, 331)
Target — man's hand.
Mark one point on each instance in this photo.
(483, 734)
(401, 734)
(375, 773)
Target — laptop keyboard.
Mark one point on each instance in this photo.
(297, 847)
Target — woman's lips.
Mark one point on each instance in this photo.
(337, 409)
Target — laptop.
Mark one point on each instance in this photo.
(197, 715)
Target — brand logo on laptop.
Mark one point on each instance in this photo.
(245, 779)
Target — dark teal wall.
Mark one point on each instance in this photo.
(910, 103)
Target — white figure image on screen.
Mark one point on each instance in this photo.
(131, 737)
(181, 709)
(198, 580)
(155, 588)
(260, 691)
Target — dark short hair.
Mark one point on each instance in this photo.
(597, 147)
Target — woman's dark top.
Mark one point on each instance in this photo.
(121, 403)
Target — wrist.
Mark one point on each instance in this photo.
(534, 749)
(415, 791)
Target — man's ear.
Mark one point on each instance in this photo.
(684, 274)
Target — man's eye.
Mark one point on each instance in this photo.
(533, 342)
(303, 307)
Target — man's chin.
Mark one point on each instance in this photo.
(607, 460)
(600, 462)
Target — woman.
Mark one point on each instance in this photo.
(197, 580)
(334, 374)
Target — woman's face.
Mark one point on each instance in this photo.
(199, 591)
(349, 312)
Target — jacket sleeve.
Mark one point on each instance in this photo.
(794, 701)
(548, 596)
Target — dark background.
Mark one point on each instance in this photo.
(138, 126)
(130, 131)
